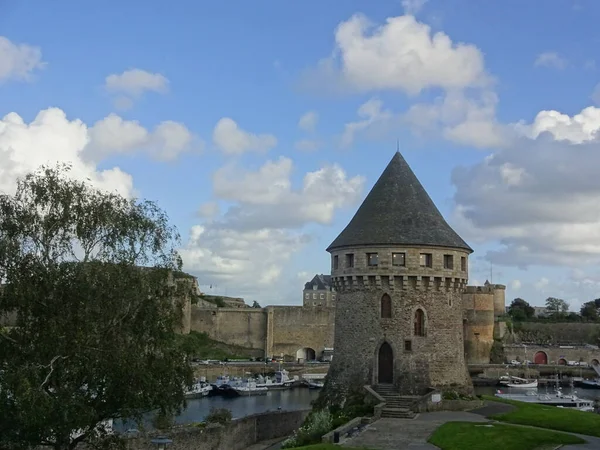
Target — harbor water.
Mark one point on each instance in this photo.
(299, 398)
(198, 409)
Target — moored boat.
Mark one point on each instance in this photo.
(199, 389)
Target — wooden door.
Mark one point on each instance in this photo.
(386, 364)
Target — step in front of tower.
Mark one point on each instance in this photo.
(397, 413)
(396, 405)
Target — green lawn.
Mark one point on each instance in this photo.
(469, 435)
(328, 447)
(563, 419)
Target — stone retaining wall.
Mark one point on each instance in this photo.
(238, 435)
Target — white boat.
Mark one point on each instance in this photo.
(519, 383)
(556, 399)
(315, 384)
(282, 381)
(249, 388)
(199, 389)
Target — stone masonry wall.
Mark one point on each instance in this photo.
(292, 328)
(436, 359)
(246, 327)
(238, 435)
(553, 353)
(479, 306)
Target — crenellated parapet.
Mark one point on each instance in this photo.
(419, 283)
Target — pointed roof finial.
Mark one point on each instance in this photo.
(398, 145)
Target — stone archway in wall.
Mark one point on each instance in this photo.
(306, 354)
(540, 358)
(562, 362)
(595, 362)
(385, 364)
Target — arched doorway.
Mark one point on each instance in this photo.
(562, 362)
(385, 374)
(540, 358)
(595, 362)
(305, 354)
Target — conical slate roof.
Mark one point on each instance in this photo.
(398, 211)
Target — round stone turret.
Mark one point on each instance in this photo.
(399, 270)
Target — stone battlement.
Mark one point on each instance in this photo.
(351, 283)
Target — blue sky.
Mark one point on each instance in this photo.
(198, 106)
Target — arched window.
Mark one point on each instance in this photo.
(386, 307)
(419, 323)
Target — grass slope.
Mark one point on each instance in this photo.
(563, 419)
(199, 345)
(469, 435)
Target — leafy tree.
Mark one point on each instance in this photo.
(556, 305)
(590, 310)
(88, 275)
(520, 310)
(255, 304)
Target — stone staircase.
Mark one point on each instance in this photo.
(396, 405)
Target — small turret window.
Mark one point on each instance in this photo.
(372, 259)
(350, 260)
(426, 260)
(386, 307)
(419, 322)
(463, 263)
(398, 259)
(335, 262)
(448, 262)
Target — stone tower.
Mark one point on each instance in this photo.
(399, 270)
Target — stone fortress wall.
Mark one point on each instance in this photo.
(435, 351)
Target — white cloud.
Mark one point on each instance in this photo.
(580, 128)
(251, 261)
(249, 246)
(136, 82)
(412, 7)
(208, 210)
(542, 284)
(308, 145)
(233, 140)
(308, 122)
(538, 197)
(515, 285)
(459, 118)
(402, 54)
(50, 138)
(373, 118)
(550, 59)
(132, 84)
(18, 61)
(267, 198)
(114, 135)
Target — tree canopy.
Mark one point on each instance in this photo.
(590, 310)
(520, 310)
(88, 277)
(556, 305)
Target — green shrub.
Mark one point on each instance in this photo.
(317, 424)
(219, 415)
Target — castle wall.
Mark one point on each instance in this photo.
(554, 353)
(479, 308)
(292, 328)
(436, 359)
(499, 299)
(246, 327)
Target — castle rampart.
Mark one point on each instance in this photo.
(479, 307)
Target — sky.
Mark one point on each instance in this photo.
(261, 126)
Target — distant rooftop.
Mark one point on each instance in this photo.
(398, 211)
